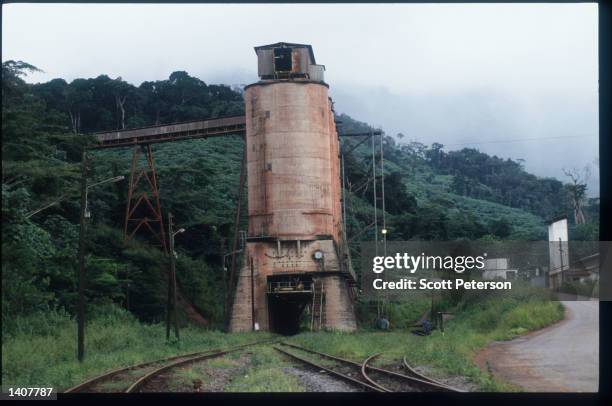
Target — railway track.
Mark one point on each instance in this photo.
(416, 374)
(135, 377)
(368, 377)
(346, 371)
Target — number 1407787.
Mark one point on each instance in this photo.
(28, 392)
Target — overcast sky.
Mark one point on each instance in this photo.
(456, 74)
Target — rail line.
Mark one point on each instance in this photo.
(395, 382)
(144, 373)
(416, 374)
(374, 378)
(344, 370)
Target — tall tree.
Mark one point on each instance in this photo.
(121, 91)
(577, 191)
(12, 83)
(79, 97)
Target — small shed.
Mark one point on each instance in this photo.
(284, 60)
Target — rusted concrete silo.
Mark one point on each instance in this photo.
(295, 256)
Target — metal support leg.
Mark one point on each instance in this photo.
(143, 206)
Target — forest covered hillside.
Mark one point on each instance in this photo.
(431, 193)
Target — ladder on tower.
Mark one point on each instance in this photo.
(317, 307)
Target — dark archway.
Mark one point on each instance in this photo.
(285, 311)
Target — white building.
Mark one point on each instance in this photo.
(557, 250)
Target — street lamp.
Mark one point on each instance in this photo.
(62, 197)
(229, 255)
(171, 304)
(82, 231)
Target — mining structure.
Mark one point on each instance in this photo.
(295, 255)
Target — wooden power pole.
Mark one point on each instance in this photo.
(172, 295)
(81, 275)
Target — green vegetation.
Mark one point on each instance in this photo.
(402, 314)
(266, 374)
(588, 288)
(265, 379)
(42, 349)
(42, 141)
(479, 321)
(431, 194)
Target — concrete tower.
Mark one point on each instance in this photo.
(295, 256)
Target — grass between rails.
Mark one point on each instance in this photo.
(266, 374)
(209, 375)
(254, 369)
(42, 350)
(451, 353)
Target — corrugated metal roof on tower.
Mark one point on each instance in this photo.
(289, 45)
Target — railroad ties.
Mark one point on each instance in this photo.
(142, 377)
(365, 376)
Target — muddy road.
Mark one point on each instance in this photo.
(561, 358)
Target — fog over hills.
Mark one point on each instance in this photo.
(549, 133)
(548, 130)
(448, 73)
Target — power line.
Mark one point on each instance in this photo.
(520, 140)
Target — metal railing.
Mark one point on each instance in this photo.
(289, 286)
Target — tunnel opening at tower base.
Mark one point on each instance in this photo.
(287, 299)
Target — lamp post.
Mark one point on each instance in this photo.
(171, 305)
(82, 232)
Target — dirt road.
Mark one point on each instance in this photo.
(560, 358)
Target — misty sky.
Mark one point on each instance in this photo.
(461, 75)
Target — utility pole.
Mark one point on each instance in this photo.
(382, 188)
(561, 259)
(81, 275)
(172, 295)
(169, 298)
(372, 138)
(83, 216)
(222, 243)
(384, 221)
